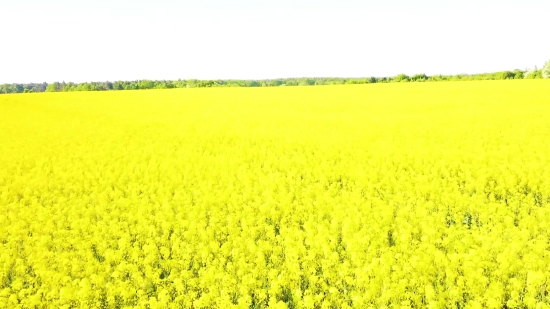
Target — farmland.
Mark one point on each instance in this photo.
(351, 196)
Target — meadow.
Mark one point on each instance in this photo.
(402, 195)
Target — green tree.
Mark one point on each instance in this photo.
(146, 84)
(52, 87)
(401, 78)
(546, 70)
(535, 74)
(306, 82)
(419, 77)
(518, 74)
(505, 75)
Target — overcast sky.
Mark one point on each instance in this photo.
(72, 40)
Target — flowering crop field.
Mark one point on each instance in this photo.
(414, 195)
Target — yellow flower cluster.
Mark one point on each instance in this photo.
(359, 196)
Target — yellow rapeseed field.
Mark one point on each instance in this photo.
(414, 195)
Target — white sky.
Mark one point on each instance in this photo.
(74, 40)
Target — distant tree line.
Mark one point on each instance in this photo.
(194, 83)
